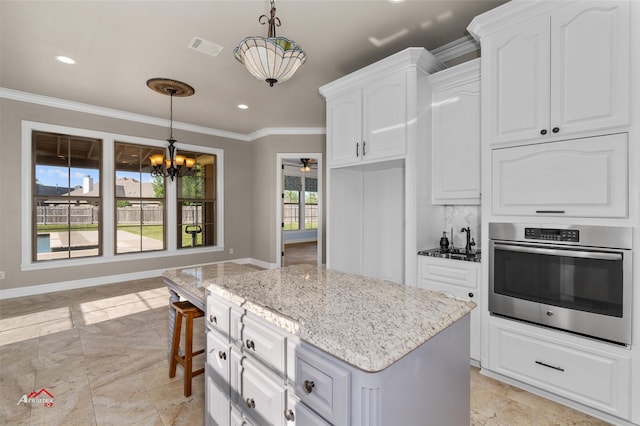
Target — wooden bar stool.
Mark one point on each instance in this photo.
(189, 312)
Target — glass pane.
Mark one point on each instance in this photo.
(84, 166)
(202, 184)
(65, 230)
(196, 224)
(311, 210)
(133, 172)
(139, 226)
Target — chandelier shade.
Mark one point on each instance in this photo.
(272, 59)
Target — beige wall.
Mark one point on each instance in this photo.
(263, 187)
(239, 217)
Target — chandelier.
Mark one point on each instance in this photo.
(175, 165)
(271, 59)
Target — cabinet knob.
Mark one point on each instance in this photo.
(288, 414)
(470, 294)
(222, 355)
(251, 403)
(555, 129)
(308, 386)
(251, 344)
(543, 131)
(213, 319)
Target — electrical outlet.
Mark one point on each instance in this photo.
(1, 275)
(230, 251)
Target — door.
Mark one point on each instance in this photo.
(590, 67)
(384, 118)
(517, 82)
(344, 128)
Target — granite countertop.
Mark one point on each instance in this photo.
(194, 280)
(367, 323)
(455, 254)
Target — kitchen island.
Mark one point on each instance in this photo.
(306, 345)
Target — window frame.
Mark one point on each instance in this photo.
(108, 199)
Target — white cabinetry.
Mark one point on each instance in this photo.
(565, 72)
(593, 374)
(456, 278)
(582, 177)
(378, 143)
(456, 134)
(369, 123)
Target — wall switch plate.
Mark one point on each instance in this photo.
(230, 251)
(1, 275)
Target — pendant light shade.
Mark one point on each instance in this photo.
(271, 59)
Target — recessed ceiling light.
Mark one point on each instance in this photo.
(65, 59)
(243, 106)
(396, 1)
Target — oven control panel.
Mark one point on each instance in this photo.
(570, 235)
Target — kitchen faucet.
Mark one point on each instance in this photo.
(470, 241)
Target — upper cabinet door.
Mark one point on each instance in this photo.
(516, 81)
(565, 74)
(385, 118)
(456, 144)
(590, 64)
(344, 128)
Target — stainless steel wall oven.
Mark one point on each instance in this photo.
(573, 278)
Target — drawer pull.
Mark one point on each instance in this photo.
(213, 319)
(308, 386)
(288, 414)
(357, 149)
(251, 403)
(550, 366)
(550, 211)
(251, 344)
(222, 355)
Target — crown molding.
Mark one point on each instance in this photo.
(48, 101)
(456, 48)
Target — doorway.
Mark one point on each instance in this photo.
(299, 207)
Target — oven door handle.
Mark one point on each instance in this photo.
(560, 252)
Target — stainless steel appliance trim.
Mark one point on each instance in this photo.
(559, 252)
(616, 237)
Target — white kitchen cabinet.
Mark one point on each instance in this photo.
(378, 142)
(585, 177)
(591, 373)
(455, 278)
(369, 123)
(561, 73)
(455, 109)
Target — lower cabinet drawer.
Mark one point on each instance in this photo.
(218, 407)
(321, 385)
(261, 397)
(594, 377)
(301, 415)
(265, 342)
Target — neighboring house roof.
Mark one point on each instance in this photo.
(49, 190)
(125, 188)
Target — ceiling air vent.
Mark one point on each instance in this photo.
(204, 46)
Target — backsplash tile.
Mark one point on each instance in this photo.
(461, 216)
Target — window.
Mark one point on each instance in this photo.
(196, 203)
(90, 195)
(291, 216)
(139, 200)
(294, 204)
(66, 202)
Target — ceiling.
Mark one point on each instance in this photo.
(119, 45)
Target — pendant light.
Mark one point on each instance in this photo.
(271, 59)
(175, 165)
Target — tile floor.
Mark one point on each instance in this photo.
(101, 353)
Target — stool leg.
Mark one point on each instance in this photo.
(188, 355)
(175, 345)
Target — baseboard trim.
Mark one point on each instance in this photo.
(11, 293)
